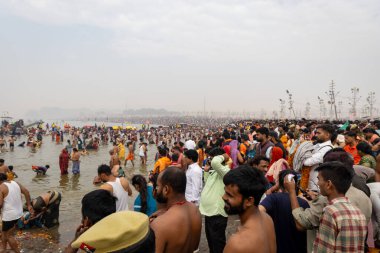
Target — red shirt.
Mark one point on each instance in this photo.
(354, 152)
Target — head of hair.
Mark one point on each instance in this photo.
(98, 204)
(162, 151)
(217, 151)
(244, 137)
(256, 160)
(75, 149)
(338, 173)
(369, 130)
(290, 135)
(226, 135)
(175, 178)
(177, 148)
(263, 131)
(10, 167)
(3, 177)
(340, 155)
(365, 148)
(47, 166)
(250, 182)
(283, 174)
(327, 128)
(2, 161)
(175, 157)
(104, 169)
(350, 134)
(192, 155)
(141, 182)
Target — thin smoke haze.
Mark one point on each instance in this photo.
(110, 56)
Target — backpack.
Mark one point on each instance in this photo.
(251, 152)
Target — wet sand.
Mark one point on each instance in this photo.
(72, 188)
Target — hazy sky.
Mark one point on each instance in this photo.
(241, 55)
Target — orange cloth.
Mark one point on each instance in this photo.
(243, 148)
(305, 176)
(354, 152)
(201, 157)
(284, 139)
(130, 157)
(161, 165)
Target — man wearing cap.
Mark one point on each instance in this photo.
(179, 228)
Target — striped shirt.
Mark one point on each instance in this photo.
(343, 228)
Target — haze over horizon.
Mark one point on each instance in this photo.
(240, 55)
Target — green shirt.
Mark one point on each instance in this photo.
(211, 198)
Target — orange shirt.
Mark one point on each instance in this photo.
(161, 165)
(354, 152)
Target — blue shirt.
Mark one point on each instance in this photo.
(288, 238)
(151, 202)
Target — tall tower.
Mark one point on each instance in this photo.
(371, 101)
(332, 96)
(282, 108)
(322, 108)
(355, 98)
(307, 110)
(291, 102)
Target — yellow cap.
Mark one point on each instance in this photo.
(117, 231)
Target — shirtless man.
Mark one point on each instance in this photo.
(178, 230)
(11, 141)
(244, 187)
(2, 143)
(114, 160)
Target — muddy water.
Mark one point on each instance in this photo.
(73, 188)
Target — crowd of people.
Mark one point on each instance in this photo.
(295, 186)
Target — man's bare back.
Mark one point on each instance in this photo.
(256, 236)
(178, 229)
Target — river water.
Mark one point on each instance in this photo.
(72, 188)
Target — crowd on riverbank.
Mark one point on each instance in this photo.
(296, 186)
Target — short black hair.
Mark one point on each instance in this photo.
(244, 137)
(175, 178)
(256, 160)
(340, 155)
(217, 151)
(250, 181)
(104, 168)
(226, 135)
(365, 148)
(98, 204)
(369, 130)
(351, 134)
(283, 174)
(327, 127)
(338, 173)
(263, 130)
(175, 157)
(192, 155)
(3, 177)
(2, 161)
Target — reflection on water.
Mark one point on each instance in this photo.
(72, 187)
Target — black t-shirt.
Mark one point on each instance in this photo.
(288, 238)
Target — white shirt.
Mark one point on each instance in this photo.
(193, 183)
(121, 194)
(319, 152)
(12, 207)
(190, 144)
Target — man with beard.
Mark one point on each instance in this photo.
(244, 187)
(324, 135)
(265, 145)
(179, 228)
